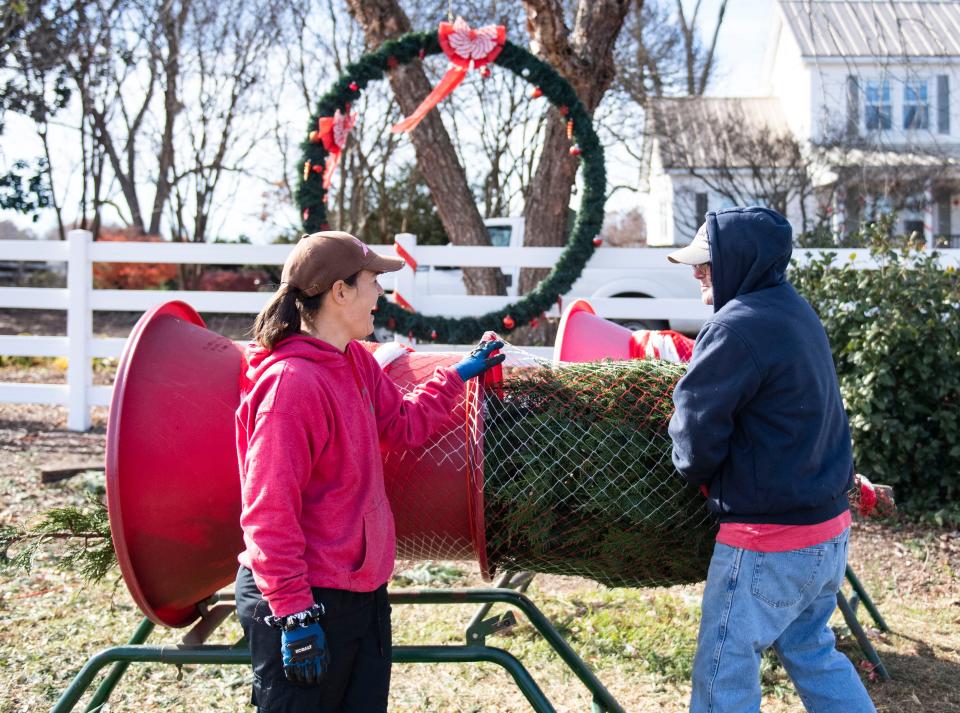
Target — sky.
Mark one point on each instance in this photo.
(741, 49)
(741, 45)
(740, 52)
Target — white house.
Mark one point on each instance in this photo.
(857, 114)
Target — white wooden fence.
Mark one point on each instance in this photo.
(79, 299)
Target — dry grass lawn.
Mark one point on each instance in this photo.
(639, 642)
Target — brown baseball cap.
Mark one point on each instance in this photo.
(320, 259)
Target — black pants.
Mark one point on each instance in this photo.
(357, 629)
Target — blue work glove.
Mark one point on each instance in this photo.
(303, 645)
(479, 360)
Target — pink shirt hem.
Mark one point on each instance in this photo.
(760, 537)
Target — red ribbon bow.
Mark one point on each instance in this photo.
(467, 49)
(332, 131)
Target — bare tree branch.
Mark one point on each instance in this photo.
(382, 20)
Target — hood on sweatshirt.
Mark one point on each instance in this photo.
(750, 249)
(297, 346)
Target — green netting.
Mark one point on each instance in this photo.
(579, 478)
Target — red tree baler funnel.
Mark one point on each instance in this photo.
(583, 336)
(173, 492)
(173, 484)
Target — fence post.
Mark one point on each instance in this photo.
(79, 329)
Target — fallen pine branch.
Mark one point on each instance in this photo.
(86, 532)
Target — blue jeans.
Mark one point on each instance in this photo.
(754, 600)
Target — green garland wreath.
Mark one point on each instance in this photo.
(311, 197)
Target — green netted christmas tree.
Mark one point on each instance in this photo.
(579, 478)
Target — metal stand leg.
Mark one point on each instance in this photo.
(603, 702)
(146, 654)
(470, 654)
(479, 628)
(860, 595)
(601, 695)
(850, 617)
(116, 673)
(848, 607)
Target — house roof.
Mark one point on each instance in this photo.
(866, 28)
(705, 132)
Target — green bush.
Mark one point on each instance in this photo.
(895, 336)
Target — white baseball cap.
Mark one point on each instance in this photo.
(696, 253)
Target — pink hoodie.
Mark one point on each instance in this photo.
(309, 430)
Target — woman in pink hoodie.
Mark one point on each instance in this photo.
(317, 526)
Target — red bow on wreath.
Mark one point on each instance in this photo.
(332, 132)
(466, 49)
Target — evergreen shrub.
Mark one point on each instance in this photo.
(895, 336)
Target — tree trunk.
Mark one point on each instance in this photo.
(548, 200)
(127, 183)
(585, 59)
(173, 31)
(42, 131)
(382, 20)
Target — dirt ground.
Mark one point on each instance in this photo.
(638, 642)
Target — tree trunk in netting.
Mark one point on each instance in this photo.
(584, 57)
(579, 480)
(383, 20)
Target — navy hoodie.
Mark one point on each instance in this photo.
(759, 418)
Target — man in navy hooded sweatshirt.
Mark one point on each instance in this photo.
(760, 427)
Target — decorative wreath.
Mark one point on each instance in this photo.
(332, 121)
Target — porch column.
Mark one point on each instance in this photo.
(838, 218)
(928, 208)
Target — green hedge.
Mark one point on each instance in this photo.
(895, 335)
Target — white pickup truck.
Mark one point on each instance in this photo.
(610, 273)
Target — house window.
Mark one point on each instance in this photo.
(878, 111)
(913, 226)
(700, 208)
(943, 104)
(499, 235)
(916, 106)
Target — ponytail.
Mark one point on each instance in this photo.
(282, 315)
(278, 320)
